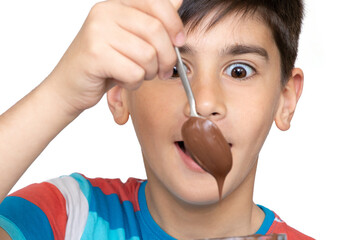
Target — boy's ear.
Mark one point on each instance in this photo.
(117, 104)
(290, 95)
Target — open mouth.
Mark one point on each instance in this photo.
(182, 146)
(187, 157)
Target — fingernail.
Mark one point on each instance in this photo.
(180, 39)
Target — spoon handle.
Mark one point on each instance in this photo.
(185, 81)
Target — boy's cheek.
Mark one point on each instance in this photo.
(154, 107)
(252, 121)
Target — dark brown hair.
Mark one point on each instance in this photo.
(284, 18)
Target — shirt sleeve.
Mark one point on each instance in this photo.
(34, 212)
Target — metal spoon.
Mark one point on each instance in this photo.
(185, 81)
(203, 139)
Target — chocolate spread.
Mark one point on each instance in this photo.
(208, 148)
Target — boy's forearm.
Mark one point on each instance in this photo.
(100, 57)
(26, 129)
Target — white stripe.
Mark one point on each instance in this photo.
(77, 206)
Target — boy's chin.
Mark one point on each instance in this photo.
(201, 202)
(199, 198)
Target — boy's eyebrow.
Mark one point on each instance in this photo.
(186, 49)
(239, 49)
(236, 49)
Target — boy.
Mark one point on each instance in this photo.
(239, 55)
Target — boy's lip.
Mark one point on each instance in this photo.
(189, 162)
(185, 156)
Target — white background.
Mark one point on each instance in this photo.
(308, 175)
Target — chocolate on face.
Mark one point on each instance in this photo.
(208, 147)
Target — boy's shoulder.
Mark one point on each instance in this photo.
(72, 205)
(125, 191)
(98, 192)
(83, 188)
(280, 226)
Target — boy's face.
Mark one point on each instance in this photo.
(234, 70)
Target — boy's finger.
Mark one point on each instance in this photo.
(165, 11)
(154, 33)
(136, 49)
(119, 65)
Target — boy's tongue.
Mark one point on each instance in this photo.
(205, 143)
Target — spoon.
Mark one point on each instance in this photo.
(202, 138)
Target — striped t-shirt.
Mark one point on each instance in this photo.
(76, 207)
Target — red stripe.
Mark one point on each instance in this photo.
(50, 200)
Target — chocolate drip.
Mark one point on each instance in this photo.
(208, 147)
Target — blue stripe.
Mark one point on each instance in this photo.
(268, 221)
(100, 230)
(108, 208)
(28, 217)
(13, 231)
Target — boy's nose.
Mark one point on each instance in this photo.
(209, 98)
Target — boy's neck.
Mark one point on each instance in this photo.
(235, 215)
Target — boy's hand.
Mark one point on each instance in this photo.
(121, 42)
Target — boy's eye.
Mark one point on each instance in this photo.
(239, 71)
(176, 73)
